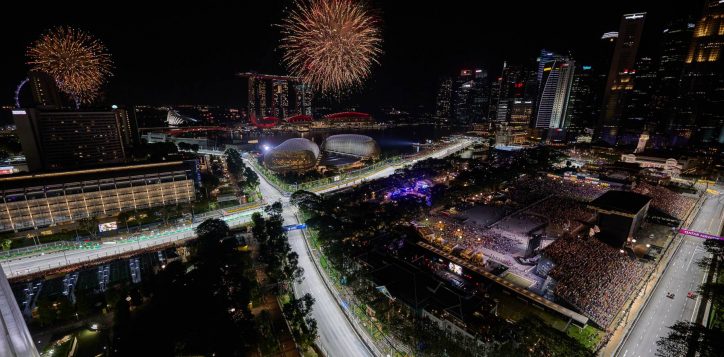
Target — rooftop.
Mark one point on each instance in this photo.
(621, 201)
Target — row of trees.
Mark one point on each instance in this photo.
(248, 180)
(282, 268)
(188, 147)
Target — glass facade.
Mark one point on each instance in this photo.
(293, 155)
(353, 145)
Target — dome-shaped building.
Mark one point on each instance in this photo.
(293, 155)
(356, 145)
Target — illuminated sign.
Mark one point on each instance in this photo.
(455, 268)
(586, 68)
(608, 35)
(634, 16)
(108, 226)
(18, 112)
(699, 234)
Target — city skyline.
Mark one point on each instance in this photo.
(160, 58)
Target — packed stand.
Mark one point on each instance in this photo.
(674, 204)
(592, 276)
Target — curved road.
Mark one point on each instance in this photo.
(681, 276)
(337, 337)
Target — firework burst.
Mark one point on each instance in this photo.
(79, 63)
(330, 44)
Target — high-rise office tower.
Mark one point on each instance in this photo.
(470, 96)
(584, 101)
(494, 98)
(53, 140)
(520, 112)
(555, 90)
(443, 102)
(637, 113)
(620, 81)
(703, 80)
(480, 95)
(675, 41)
(545, 57)
(516, 83)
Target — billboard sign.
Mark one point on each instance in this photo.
(108, 226)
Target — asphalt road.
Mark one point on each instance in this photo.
(682, 275)
(48, 261)
(336, 336)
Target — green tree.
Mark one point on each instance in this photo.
(689, 339)
(7, 243)
(298, 314)
(88, 225)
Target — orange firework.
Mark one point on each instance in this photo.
(79, 63)
(330, 44)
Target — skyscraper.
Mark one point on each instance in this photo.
(303, 99)
(637, 114)
(53, 140)
(675, 41)
(470, 96)
(277, 96)
(515, 83)
(545, 57)
(443, 102)
(584, 101)
(703, 80)
(45, 91)
(619, 81)
(555, 90)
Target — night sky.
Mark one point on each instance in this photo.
(182, 54)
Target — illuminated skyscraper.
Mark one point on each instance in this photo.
(584, 101)
(277, 96)
(515, 83)
(45, 91)
(620, 81)
(637, 113)
(470, 96)
(703, 80)
(675, 41)
(443, 102)
(555, 90)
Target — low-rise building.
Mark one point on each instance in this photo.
(670, 166)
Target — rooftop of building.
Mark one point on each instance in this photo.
(621, 201)
(53, 178)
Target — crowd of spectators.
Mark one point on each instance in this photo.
(474, 237)
(563, 214)
(669, 202)
(528, 190)
(592, 276)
